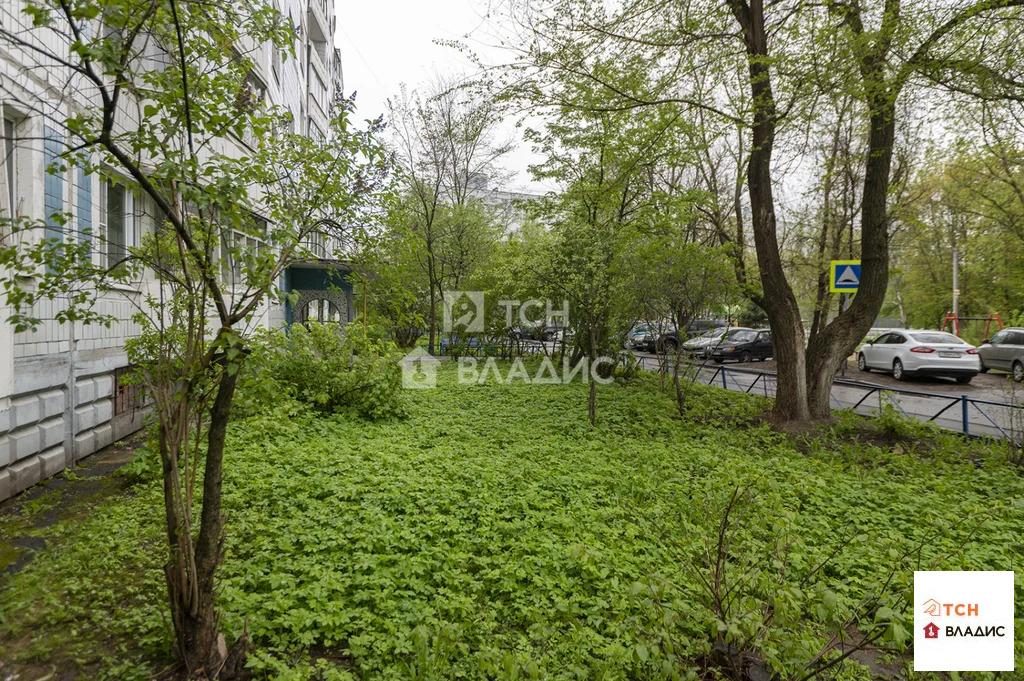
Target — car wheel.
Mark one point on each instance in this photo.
(862, 363)
(718, 361)
(897, 371)
(964, 380)
(1018, 371)
(983, 369)
(671, 345)
(745, 357)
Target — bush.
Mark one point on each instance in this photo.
(324, 366)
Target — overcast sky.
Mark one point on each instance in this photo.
(390, 42)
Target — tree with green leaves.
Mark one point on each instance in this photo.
(647, 54)
(164, 105)
(443, 142)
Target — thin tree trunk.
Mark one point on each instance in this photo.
(899, 303)
(433, 318)
(203, 649)
(592, 401)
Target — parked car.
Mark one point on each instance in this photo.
(671, 339)
(744, 345)
(643, 337)
(1005, 351)
(906, 353)
(538, 331)
(703, 344)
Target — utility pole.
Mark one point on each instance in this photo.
(956, 282)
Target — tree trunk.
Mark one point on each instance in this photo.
(592, 401)
(204, 653)
(779, 302)
(433, 319)
(840, 337)
(899, 303)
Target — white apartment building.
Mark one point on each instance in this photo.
(61, 393)
(511, 209)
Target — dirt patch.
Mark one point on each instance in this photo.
(56, 500)
(808, 437)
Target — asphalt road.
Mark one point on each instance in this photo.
(989, 403)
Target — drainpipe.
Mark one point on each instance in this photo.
(69, 403)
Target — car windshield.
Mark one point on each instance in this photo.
(936, 337)
(713, 333)
(742, 336)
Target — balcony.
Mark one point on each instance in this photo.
(319, 22)
(321, 246)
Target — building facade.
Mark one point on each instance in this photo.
(62, 393)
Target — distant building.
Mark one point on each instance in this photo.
(511, 208)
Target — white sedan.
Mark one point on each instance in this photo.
(906, 353)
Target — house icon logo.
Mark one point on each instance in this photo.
(931, 630)
(932, 607)
(419, 369)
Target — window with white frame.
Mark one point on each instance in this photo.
(8, 171)
(116, 221)
(237, 246)
(83, 209)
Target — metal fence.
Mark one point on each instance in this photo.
(962, 413)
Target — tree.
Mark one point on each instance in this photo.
(234, 200)
(654, 54)
(444, 145)
(622, 228)
(965, 202)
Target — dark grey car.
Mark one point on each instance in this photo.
(1004, 351)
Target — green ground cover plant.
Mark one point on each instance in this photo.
(492, 533)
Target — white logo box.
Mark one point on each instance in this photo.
(970, 616)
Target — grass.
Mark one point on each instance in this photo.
(494, 534)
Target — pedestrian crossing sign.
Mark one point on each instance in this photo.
(845, 276)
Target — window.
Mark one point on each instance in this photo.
(1016, 338)
(936, 337)
(83, 209)
(239, 247)
(314, 131)
(321, 310)
(128, 395)
(8, 204)
(275, 51)
(896, 339)
(53, 183)
(114, 209)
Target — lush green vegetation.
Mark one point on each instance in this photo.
(493, 533)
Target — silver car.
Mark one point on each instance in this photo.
(702, 344)
(1005, 351)
(906, 353)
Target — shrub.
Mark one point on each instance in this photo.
(327, 367)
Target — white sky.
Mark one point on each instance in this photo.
(389, 42)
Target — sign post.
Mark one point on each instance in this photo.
(844, 280)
